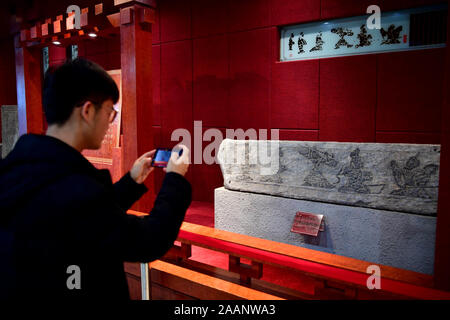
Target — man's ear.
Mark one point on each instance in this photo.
(87, 111)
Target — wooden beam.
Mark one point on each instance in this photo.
(137, 97)
(202, 286)
(29, 88)
(99, 18)
(149, 3)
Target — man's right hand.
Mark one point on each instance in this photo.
(177, 163)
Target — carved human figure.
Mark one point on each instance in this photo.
(301, 42)
(356, 177)
(319, 43)
(342, 33)
(364, 37)
(291, 41)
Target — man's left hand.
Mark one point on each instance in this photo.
(142, 167)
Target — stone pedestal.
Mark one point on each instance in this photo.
(10, 129)
(379, 236)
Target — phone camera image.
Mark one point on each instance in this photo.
(162, 157)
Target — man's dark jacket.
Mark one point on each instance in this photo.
(58, 210)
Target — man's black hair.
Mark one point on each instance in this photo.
(71, 85)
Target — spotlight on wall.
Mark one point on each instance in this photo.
(92, 32)
(55, 41)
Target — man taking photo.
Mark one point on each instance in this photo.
(57, 210)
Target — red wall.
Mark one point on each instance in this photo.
(8, 94)
(217, 61)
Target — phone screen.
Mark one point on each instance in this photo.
(161, 158)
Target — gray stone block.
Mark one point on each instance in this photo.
(383, 237)
(10, 129)
(397, 177)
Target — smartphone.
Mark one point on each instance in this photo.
(162, 156)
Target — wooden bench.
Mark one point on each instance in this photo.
(333, 276)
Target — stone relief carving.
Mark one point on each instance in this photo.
(364, 37)
(412, 180)
(396, 177)
(301, 43)
(319, 159)
(319, 43)
(356, 176)
(391, 35)
(342, 33)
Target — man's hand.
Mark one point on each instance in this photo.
(177, 163)
(142, 167)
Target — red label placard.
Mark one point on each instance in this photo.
(307, 223)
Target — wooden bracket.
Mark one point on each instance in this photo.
(36, 31)
(24, 35)
(325, 289)
(98, 9)
(57, 26)
(45, 29)
(245, 271)
(114, 19)
(146, 15)
(179, 252)
(126, 15)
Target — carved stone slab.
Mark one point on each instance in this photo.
(397, 177)
(10, 128)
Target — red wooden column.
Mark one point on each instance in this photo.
(442, 250)
(29, 76)
(137, 96)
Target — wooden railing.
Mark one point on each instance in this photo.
(332, 276)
